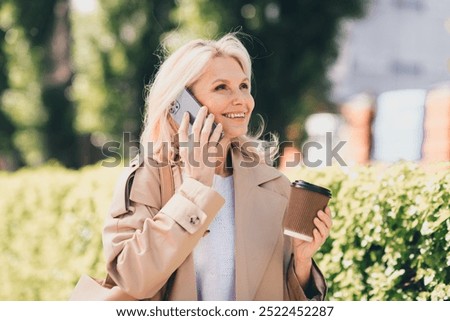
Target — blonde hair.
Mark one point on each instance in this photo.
(180, 70)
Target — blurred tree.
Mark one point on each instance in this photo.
(61, 139)
(21, 106)
(36, 97)
(72, 74)
(114, 45)
(292, 43)
(7, 149)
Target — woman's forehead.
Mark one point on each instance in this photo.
(223, 67)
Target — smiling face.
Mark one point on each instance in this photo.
(225, 89)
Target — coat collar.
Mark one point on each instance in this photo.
(254, 172)
(258, 219)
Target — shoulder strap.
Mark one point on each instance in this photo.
(167, 191)
(167, 184)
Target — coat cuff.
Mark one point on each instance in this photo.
(316, 289)
(193, 204)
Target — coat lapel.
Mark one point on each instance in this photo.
(258, 222)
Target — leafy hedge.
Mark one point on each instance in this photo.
(50, 229)
(390, 238)
(391, 232)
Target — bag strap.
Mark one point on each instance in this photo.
(167, 191)
(167, 183)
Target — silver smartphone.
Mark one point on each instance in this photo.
(186, 102)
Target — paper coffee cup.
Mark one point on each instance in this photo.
(305, 201)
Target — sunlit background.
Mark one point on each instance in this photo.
(391, 84)
(73, 74)
(360, 84)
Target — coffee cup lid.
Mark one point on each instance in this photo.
(311, 187)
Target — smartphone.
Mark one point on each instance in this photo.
(186, 102)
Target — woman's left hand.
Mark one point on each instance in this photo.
(304, 251)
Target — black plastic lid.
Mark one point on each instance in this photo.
(311, 187)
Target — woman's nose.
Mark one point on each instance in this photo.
(238, 97)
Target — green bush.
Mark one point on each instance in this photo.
(391, 232)
(390, 238)
(50, 227)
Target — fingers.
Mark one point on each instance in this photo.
(326, 218)
(323, 225)
(318, 239)
(207, 126)
(217, 134)
(198, 123)
(195, 150)
(201, 128)
(182, 130)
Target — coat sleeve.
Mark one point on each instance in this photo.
(316, 289)
(144, 243)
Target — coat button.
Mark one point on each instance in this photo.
(194, 220)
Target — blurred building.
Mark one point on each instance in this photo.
(398, 125)
(392, 82)
(400, 44)
(436, 142)
(358, 114)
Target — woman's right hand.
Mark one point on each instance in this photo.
(198, 151)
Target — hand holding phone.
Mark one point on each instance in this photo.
(198, 139)
(186, 102)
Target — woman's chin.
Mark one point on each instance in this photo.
(232, 133)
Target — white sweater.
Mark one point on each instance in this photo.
(214, 254)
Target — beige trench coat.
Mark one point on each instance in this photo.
(145, 242)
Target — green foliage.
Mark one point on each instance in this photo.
(20, 94)
(67, 77)
(390, 238)
(391, 232)
(50, 229)
(113, 55)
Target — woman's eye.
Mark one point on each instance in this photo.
(244, 86)
(220, 87)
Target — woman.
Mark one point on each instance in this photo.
(219, 237)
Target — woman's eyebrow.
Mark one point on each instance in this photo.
(227, 81)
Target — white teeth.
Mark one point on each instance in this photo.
(235, 115)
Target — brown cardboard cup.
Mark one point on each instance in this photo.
(305, 201)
